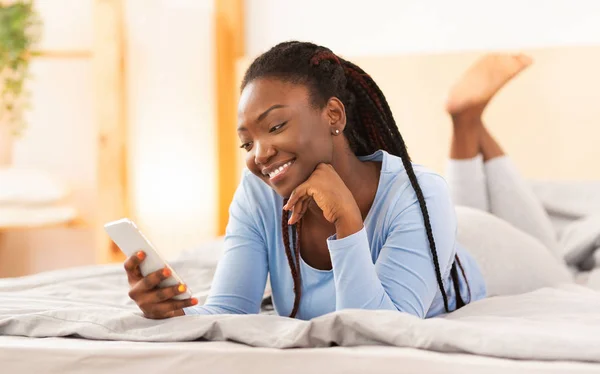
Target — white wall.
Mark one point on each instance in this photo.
(60, 138)
(172, 141)
(61, 135)
(170, 105)
(360, 27)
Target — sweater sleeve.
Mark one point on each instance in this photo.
(241, 274)
(403, 277)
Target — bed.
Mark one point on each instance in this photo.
(544, 318)
(538, 321)
(63, 356)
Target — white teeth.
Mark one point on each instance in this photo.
(281, 168)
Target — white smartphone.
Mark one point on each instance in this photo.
(130, 240)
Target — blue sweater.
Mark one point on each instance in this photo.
(386, 265)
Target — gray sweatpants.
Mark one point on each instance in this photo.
(496, 187)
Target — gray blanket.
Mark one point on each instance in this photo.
(552, 323)
(561, 323)
(574, 209)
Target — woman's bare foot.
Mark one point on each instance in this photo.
(469, 97)
(481, 81)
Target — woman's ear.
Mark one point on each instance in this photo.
(336, 115)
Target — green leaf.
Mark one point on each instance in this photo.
(20, 31)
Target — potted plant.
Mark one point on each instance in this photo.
(19, 32)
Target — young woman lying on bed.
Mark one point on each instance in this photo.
(331, 206)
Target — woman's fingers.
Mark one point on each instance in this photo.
(148, 283)
(169, 308)
(158, 303)
(166, 293)
(294, 208)
(305, 206)
(155, 302)
(153, 279)
(159, 295)
(132, 267)
(299, 209)
(296, 195)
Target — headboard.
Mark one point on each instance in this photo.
(547, 119)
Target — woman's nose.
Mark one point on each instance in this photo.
(264, 152)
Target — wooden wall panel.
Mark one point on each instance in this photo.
(230, 46)
(109, 77)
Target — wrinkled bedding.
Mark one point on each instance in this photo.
(559, 321)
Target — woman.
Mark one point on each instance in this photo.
(330, 206)
(480, 174)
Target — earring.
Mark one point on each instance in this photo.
(337, 132)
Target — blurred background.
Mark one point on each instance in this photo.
(126, 108)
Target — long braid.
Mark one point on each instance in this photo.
(401, 150)
(298, 288)
(373, 101)
(370, 100)
(370, 127)
(381, 103)
(294, 266)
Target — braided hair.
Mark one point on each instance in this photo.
(370, 126)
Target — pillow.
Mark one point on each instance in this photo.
(511, 261)
(580, 240)
(574, 199)
(29, 187)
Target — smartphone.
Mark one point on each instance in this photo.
(130, 240)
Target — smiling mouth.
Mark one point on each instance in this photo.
(278, 173)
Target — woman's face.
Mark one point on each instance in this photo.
(284, 135)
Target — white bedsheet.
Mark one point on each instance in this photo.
(560, 323)
(542, 329)
(20, 355)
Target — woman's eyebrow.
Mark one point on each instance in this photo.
(264, 114)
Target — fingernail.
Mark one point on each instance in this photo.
(194, 301)
(289, 221)
(166, 272)
(140, 255)
(181, 288)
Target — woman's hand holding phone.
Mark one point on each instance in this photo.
(155, 302)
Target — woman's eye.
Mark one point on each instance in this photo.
(246, 146)
(275, 128)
